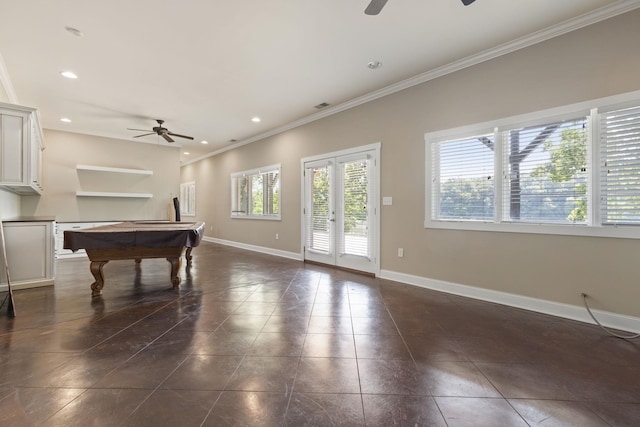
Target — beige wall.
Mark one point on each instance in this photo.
(3, 95)
(61, 180)
(589, 63)
(9, 204)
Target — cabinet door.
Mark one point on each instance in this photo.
(12, 145)
(29, 252)
(35, 166)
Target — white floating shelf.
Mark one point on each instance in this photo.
(108, 194)
(116, 170)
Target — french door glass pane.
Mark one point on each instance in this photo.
(355, 179)
(318, 226)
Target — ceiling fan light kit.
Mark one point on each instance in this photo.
(376, 6)
(161, 131)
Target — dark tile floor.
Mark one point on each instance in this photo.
(251, 339)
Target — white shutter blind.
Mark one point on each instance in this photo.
(271, 184)
(463, 176)
(355, 238)
(318, 215)
(620, 157)
(239, 195)
(546, 172)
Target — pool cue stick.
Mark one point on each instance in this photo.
(11, 311)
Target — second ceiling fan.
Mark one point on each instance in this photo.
(376, 6)
(161, 131)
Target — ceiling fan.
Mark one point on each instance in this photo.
(376, 6)
(161, 131)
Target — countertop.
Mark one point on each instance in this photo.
(30, 219)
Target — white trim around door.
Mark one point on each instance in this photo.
(340, 212)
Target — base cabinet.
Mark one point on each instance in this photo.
(62, 253)
(30, 254)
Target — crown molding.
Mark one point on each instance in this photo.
(593, 17)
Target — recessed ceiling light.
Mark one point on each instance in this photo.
(204, 142)
(256, 120)
(69, 74)
(74, 31)
(65, 119)
(374, 65)
(186, 153)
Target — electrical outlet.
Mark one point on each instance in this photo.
(277, 236)
(400, 252)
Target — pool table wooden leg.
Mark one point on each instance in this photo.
(96, 270)
(188, 256)
(175, 268)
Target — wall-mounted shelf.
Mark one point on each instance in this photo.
(116, 170)
(109, 194)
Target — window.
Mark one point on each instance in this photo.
(188, 198)
(620, 151)
(463, 177)
(555, 171)
(256, 193)
(546, 172)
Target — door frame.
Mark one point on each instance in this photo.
(375, 197)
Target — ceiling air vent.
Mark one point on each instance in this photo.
(321, 106)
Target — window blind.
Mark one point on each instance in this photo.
(319, 215)
(620, 160)
(546, 167)
(463, 174)
(355, 239)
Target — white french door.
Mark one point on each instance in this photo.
(340, 212)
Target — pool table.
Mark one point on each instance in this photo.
(135, 240)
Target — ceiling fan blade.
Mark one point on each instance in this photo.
(467, 2)
(167, 137)
(179, 136)
(141, 130)
(138, 136)
(376, 6)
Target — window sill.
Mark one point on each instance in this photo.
(611, 231)
(262, 217)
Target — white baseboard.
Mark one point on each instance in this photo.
(26, 284)
(254, 248)
(567, 311)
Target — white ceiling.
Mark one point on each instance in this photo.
(208, 66)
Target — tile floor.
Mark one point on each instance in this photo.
(255, 340)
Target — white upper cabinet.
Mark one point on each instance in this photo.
(20, 149)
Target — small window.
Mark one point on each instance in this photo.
(188, 198)
(256, 193)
